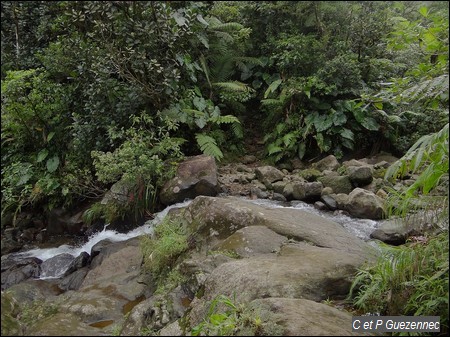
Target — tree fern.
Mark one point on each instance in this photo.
(208, 146)
(428, 89)
(429, 156)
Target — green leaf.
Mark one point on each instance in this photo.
(201, 122)
(199, 103)
(378, 105)
(208, 146)
(23, 179)
(201, 20)
(323, 122)
(52, 164)
(273, 148)
(359, 115)
(179, 18)
(272, 87)
(424, 11)
(339, 118)
(280, 128)
(301, 150)
(65, 191)
(347, 143)
(197, 91)
(42, 155)
(216, 319)
(370, 124)
(346, 133)
(323, 143)
(50, 136)
(203, 39)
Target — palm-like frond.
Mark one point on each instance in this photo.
(234, 86)
(208, 146)
(429, 156)
(238, 130)
(428, 89)
(227, 119)
(226, 27)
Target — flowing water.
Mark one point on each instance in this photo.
(56, 260)
(361, 228)
(57, 267)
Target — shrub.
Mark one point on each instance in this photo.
(408, 281)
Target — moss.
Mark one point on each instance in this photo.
(226, 317)
(310, 174)
(162, 249)
(10, 310)
(379, 173)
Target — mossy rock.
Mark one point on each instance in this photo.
(379, 173)
(10, 310)
(310, 174)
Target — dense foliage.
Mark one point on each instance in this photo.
(98, 92)
(102, 92)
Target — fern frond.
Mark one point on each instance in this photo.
(290, 139)
(428, 89)
(272, 87)
(238, 130)
(234, 86)
(242, 62)
(272, 102)
(256, 61)
(205, 68)
(273, 148)
(219, 136)
(208, 146)
(419, 154)
(226, 27)
(222, 67)
(224, 36)
(227, 119)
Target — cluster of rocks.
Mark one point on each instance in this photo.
(285, 262)
(355, 186)
(94, 291)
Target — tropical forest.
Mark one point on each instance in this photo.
(224, 168)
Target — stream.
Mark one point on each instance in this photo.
(55, 268)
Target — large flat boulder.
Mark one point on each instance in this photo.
(301, 317)
(299, 270)
(223, 216)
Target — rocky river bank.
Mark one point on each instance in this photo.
(281, 265)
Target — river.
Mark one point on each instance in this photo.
(361, 228)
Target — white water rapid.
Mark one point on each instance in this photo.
(147, 228)
(359, 227)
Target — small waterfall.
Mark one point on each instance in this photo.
(59, 258)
